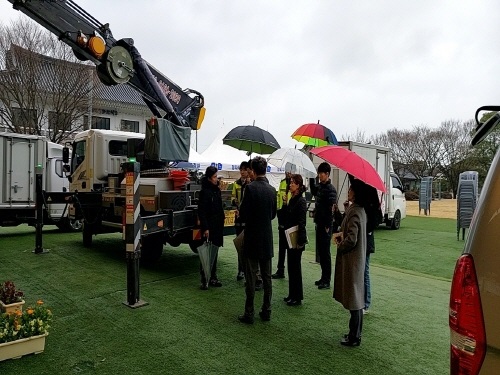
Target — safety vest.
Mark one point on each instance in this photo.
(236, 194)
(282, 193)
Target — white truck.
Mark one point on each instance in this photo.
(393, 201)
(97, 178)
(21, 154)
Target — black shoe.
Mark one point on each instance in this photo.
(294, 303)
(240, 276)
(204, 286)
(318, 282)
(247, 319)
(324, 285)
(216, 283)
(346, 341)
(259, 286)
(278, 275)
(286, 299)
(265, 315)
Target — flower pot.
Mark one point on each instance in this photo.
(11, 307)
(18, 348)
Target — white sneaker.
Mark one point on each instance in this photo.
(365, 311)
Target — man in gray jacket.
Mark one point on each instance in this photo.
(257, 210)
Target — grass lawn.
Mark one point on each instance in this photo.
(184, 330)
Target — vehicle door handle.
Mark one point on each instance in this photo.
(15, 187)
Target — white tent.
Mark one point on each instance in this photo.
(194, 156)
(227, 159)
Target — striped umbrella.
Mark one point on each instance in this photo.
(315, 135)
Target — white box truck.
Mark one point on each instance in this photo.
(20, 155)
(393, 202)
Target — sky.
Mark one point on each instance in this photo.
(364, 65)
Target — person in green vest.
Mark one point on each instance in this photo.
(283, 197)
(236, 198)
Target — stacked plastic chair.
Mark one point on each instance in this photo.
(425, 195)
(467, 195)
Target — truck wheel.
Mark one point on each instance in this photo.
(396, 220)
(151, 248)
(75, 225)
(69, 225)
(194, 245)
(174, 242)
(87, 232)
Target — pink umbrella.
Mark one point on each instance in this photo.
(351, 163)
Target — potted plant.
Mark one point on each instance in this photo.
(11, 299)
(24, 332)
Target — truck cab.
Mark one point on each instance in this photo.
(96, 155)
(393, 201)
(396, 208)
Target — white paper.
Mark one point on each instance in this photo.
(291, 236)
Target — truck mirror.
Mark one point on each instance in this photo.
(65, 155)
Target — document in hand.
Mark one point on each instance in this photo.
(291, 236)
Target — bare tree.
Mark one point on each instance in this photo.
(359, 136)
(456, 151)
(484, 152)
(42, 84)
(417, 151)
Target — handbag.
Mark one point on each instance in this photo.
(239, 242)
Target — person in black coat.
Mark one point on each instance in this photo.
(295, 212)
(374, 217)
(326, 197)
(257, 210)
(211, 215)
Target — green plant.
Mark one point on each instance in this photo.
(33, 321)
(9, 294)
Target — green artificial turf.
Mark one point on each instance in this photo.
(184, 330)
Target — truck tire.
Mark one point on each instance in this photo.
(68, 225)
(151, 247)
(396, 220)
(87, 233)
(194, 245)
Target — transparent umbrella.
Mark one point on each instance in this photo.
(293, 160)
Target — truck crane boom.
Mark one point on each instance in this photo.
(117, 61)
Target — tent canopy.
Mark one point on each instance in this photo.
(227, 159)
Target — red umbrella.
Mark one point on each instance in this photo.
(351, 163)
(315, 135)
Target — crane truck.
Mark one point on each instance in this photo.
(96, 176)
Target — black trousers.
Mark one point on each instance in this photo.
(355, 324)
(251, 268)
(282, 247)
(213, 273)
(323, 240)
(295, 288)
(239, 228)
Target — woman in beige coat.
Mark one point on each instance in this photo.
(350, 263)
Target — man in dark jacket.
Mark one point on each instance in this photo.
(257, 210)
(326, 197)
